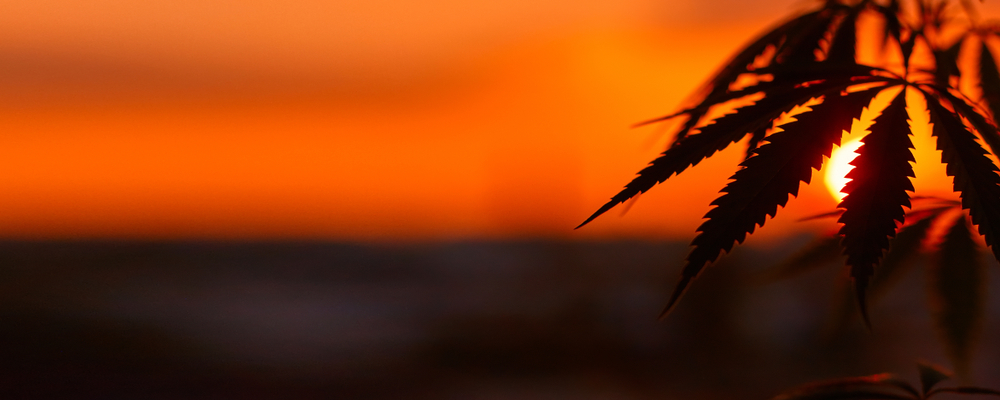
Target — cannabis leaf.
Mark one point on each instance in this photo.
(975, 175)
(811, 61)
(876, 193)
(769, 177)
(955, 275)
(883, 386)
(957, 294)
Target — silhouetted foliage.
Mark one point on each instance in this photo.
(810, 62)
(956, 276)
(883, 386)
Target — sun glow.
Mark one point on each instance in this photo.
(838, 166)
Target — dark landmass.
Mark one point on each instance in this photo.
(471, 320)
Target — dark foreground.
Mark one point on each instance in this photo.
(492, 320)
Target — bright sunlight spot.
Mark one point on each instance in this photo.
(838, 166)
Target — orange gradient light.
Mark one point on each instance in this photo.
(354, 120)
(838, 166)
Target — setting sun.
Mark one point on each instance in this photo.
(838, 166)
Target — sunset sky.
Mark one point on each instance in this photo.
(361, 120)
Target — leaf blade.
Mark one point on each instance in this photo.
(892, 27)
(902, 249)
(801, 48)
(876, 194)
(966, 390)
(975, 176)
(931, 375)
(879, 386)
(946, 63)
(989, 79)
(719, 83)
(724, 132)
(986, 129)
(767, 179)
(843, 48)
(956, 292)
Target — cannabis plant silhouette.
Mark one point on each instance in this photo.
(810, 61)
(956, 275)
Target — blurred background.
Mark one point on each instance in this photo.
(375, 199)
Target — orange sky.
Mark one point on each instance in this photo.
(358, 120)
